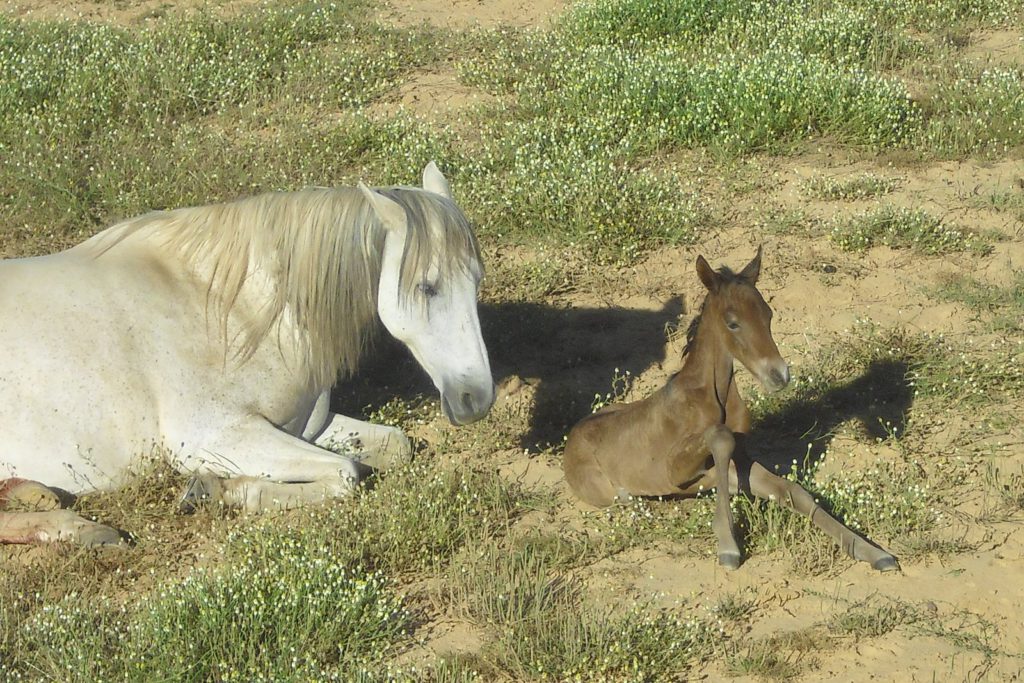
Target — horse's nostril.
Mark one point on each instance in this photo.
(467, 402)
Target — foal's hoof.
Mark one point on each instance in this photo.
(886, 564)
(730, 561)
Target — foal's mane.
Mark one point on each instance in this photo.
(320, 250)
(728, 277)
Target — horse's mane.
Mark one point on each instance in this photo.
(691, 332)
(320, 251)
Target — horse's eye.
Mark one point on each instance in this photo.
(426, 289)
(733, 325)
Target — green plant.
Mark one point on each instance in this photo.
(863, 186)
(902, 228)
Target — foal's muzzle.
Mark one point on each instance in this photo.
(776, 376)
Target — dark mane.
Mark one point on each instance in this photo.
(691, 332)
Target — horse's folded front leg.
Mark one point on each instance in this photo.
(252, 494)
(256, 466)
(380, 447)
(720, 441)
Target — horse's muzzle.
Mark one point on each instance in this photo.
(464, 407)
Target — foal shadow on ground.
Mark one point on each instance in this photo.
(879, 399)
(569, 354)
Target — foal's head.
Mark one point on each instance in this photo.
(742, 321)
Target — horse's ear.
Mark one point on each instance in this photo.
(753, 269)
(434, 181)
(708, 276)
(390, 212)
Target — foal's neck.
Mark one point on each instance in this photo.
(708, 363)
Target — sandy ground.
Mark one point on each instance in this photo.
(818, 294)
(619, 318)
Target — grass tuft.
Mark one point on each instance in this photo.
(902, 228)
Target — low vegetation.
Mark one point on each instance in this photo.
(625, 129)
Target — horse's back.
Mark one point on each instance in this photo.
(78, 330)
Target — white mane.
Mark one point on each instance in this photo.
(321, 250)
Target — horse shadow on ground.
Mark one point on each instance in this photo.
(568, 354)
(571, 354)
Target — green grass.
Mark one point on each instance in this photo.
(863, 186)
(764, 660)
(873, 618)
(903, 228)
(278, 613)
(297, 596)
(598, 146)
(1003, 306)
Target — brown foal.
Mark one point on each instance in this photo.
(689, 435)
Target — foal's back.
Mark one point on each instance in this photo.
(621, 450)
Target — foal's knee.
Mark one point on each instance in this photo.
(719, 440)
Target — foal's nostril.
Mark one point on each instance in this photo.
(781, 377)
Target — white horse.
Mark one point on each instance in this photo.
(214, 334)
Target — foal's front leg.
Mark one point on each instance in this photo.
(764, 484)
(721, 442)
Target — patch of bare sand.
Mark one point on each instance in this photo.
(463, 14)
(436, 95)
(124, 12)
(997, 48)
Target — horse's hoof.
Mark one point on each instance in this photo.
(31, 496)
(730, 561)
(886, 564)
(198, 491)
(100, 535)
(396, 451)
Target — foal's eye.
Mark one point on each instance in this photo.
(426, 289)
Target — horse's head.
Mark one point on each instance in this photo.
(427, 293)
(743, 321)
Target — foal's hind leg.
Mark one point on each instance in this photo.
(764, 484)
(721, 442)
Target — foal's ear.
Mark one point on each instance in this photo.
(434, 181)
(752, 269)
(390, 212)
(708, 276)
